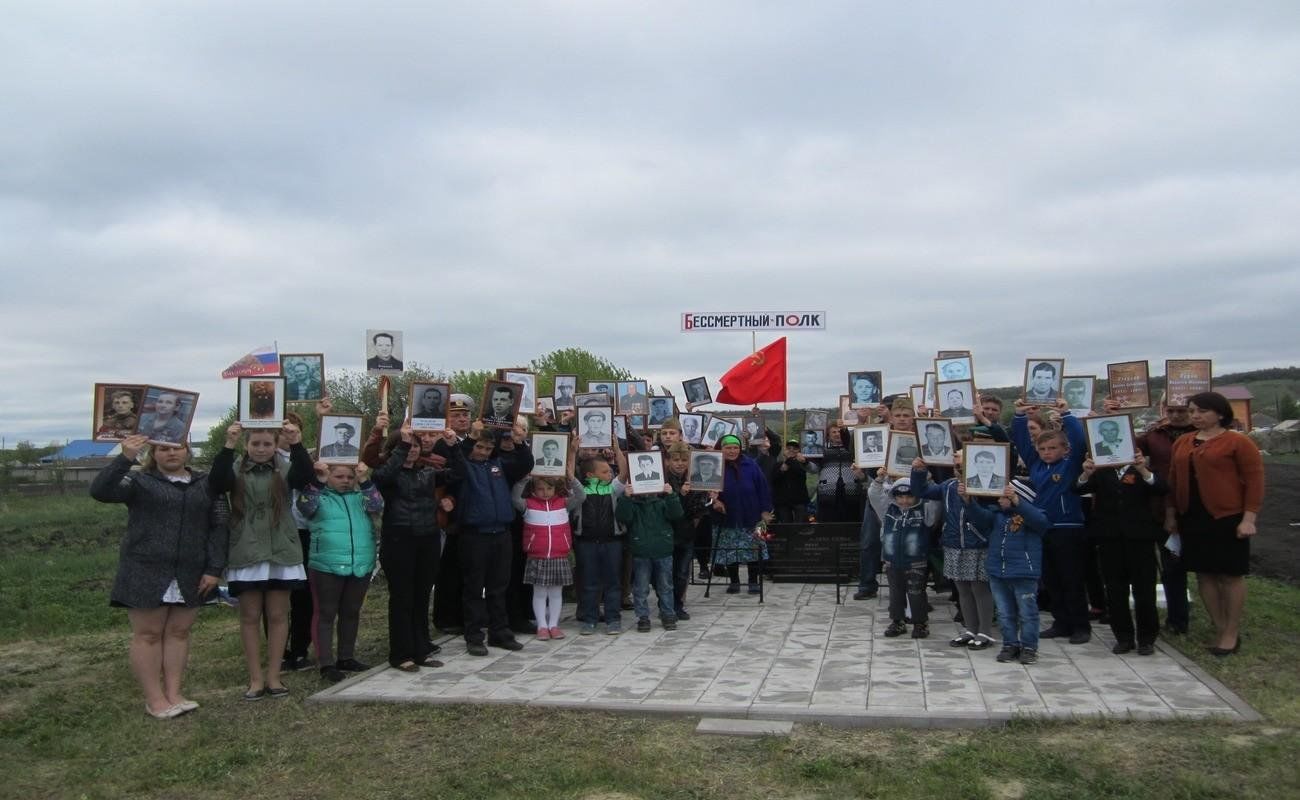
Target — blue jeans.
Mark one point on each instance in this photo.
(601, 567)
(1017, 602)
(660, 571)
(869, 560)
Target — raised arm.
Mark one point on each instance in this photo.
(218, 537)
(1021, 439)
(115, 483)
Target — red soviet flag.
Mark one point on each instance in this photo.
(758, 378)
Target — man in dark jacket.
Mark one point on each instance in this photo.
(1158, 443)
(790, 484)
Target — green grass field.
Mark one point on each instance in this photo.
(72, 723)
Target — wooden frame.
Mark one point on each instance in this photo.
(701, 389)
(593, 433)
(1185, 377)
(121, 423)
(902, 449)
(696, 477)
(848, 415)
(1111, 452)
(1089, 382)
(951, 353)
(946, 369)
(812, 443)
(1129, 383)
(561, 403)
(538, 446)
(610, 388)
(815, 420)
(294, 391)
(973, 474)
(1033, 368)
(528, 379)
(655, 421)
(344, 447)
(873, 382)
(692, 427)
(592, 399)
(960, 415)
(864, 455)
(654, 482)
(186, 404)
(500, 419)
(760, 429)
(942, 454)
(629, 404)
(376, 363)
(428, 419)
(714, 429)
(261, 402)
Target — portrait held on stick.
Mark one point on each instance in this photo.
(339, 438)
(955, 367)
(633, 398)
(428, 406)
(384, 352)
(661, 410)
(812, 444)
(261, 402)
(116, 412)
(304, 376)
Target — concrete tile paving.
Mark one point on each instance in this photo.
(798, 656)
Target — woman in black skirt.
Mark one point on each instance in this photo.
(1217, 478)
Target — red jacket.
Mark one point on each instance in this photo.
(546, 528)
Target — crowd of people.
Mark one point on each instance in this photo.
(469, 539)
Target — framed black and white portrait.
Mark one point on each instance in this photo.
(931, 386)
(501, 401)
(603, 386)
(662, 409)
(714, 429)
(1110, 440)
(384, 351)
(1043, 378)
(1078, 391)
(815, 420)
(936, 441)
(636, 422)
(870, 445)
(848, 414)
(754, 428)
(985, 468)
(697, 392)
(116, 411)
(339, 441)
(166, 414)
(596, 426)
(902, 451)
(706, 473)
(304, 376)
(633, 397)
(865, 388)
(620, 427)
(955, 368)
(550, 454)
(692, 428)
(566, 392)
(261, 402)
(647, 472)
(593, 399)
(428, 406)
(956, 401)
(812, 443)
(546, 410)
(916, 392)
(527, 379)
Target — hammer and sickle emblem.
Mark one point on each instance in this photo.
(758, 359)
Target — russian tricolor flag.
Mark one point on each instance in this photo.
(262, 361)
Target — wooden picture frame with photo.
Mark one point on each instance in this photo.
(177, 420)
(112, 419)
(526, 378)
(712, 480)
(1108, 452)
(296, 388)
(865, 455)
(960, 415)
(973, 476)
(646, 472)
(338, 449)
(489, 414)
(873, 384)
(1185, 377)
(548, 448)
(1036, 368)
(261, 402)
(902, 450)
(936, 453)
(428, 419)
(565, 401)
(1129, 384)
(696, 392)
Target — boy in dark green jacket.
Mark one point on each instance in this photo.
(649, 520)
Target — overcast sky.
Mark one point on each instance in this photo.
(183, 182)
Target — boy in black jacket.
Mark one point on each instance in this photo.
(1126, 535)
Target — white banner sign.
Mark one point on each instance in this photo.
(754, 321)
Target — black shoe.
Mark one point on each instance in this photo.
(733, 588)
(1008, 653)
(476, 648)
(1052, 632)
(352, 665)
(627, 604)
(980, 642)
(1121, 648)
(333, 674)
(863, 594)
(1028, 656)
(682, 615)
(896, 628)
(920, 631)
(669, 623)
(1175, 630)
(295, 664)
(1080, 637)
(1146, 649)
(643, 625)
(962, 639)
(507, 644)
(434, 649)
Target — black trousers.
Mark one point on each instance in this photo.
(485, 570)
(1174, 577)
(300, 610)
(1094, 581)
(410, 562)
(448, 611)
(786, 514)
(1065, 563)
(1130, 564)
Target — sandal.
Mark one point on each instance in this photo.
(408, 666)
(253, 695)
(277, 691)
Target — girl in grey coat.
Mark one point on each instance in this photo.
(171, 558)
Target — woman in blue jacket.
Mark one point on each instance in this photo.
(745, 500)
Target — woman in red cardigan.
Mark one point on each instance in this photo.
(1217, 481)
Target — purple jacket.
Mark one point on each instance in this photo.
(745, 493)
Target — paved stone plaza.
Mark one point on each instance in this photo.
(800, 656)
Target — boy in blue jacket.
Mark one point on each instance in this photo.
(905, 543)
(1054, 462)
(1015, 531)
(484, 469)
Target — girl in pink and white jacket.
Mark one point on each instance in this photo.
(547, 504)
